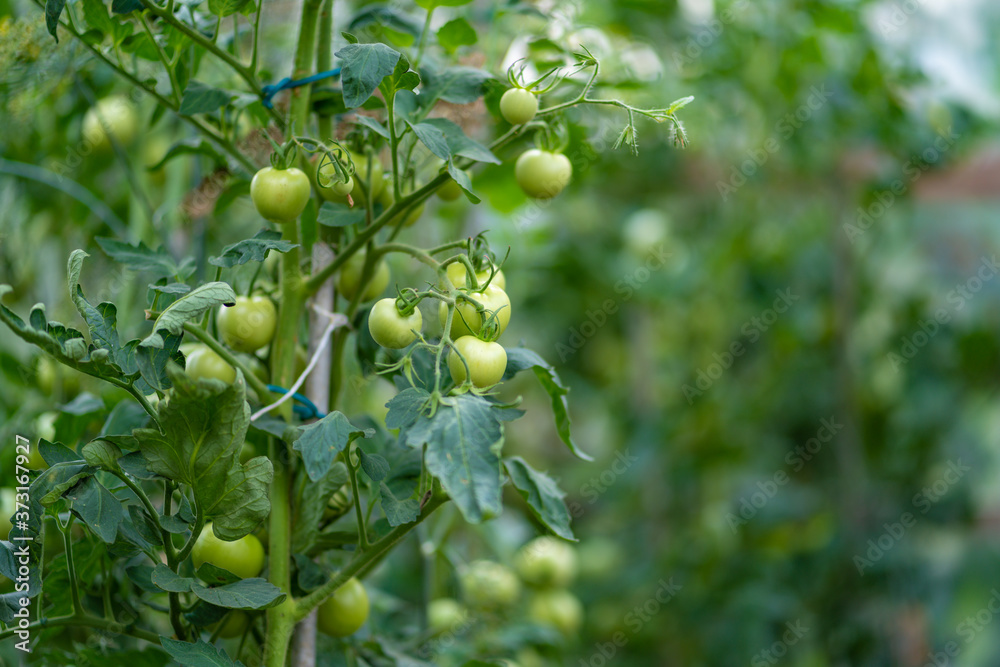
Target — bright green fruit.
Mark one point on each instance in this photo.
(203, 363)
(451, 190)
(487, 361)
(467, 321)
(234, 624)
(542, 174)
(345, 611)
(53, 377)
(518, 106)
(248, 325)
(243, 557)
(457, 273)
(111, 117)
(391, 329)
(546, 562)
(559, 609)
(350, 277)
(446, 615)
(280, 195)
(489, 585)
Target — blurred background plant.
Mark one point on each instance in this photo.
(782, 342)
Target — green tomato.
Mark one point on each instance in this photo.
(487, 361)
(559, 609)
(446, 615)
(204, 364)
(8, 506)
(489, 585)
(336, 190)
(345, 611)
(53, 377)
(280, 195)
(451, 190)
(248, 325)
(361, 172)
(456, 274)
(518, 106)
(234, 624)
(542, 174)
(350, 277)
(467, 321)
(243, 557)
(112, 117)
(546, 562)
(391, 329)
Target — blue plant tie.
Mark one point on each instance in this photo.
(307, 410)
(271, 90)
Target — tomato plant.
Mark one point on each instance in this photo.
(164, 486)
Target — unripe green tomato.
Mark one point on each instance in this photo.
(467, 321)
(542, 174)
(456, 274)
(518, 106)
(345, 611)
(559, 609)
(113, 116)
(391, 329)
(546, 562)
(53, 377)
(489, 585)
(349, 278)
(336, 190)
(446, 615)
(243, 557)
(343, 189)
(487, 361)
(280, 195)
(388, 196)
(204, 364)
(248, 325)
(234, 624)
(451, 190)
(8, 506)
(361, 168)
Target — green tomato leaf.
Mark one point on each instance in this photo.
(311, 499)
(543, 495)
(458, 85)
(373, 125)
(374, 465)
(125, 6)
(333, 214)
(398, 512)
(167, 580)
(433, 138)
(97, 507)
(255, 249)
(53, 482)
(140, 258)
(253, 593)
(406, 407)
(54, 453)
(199, 654)
(226, 8)
(455, 33)
(205, 424)
(102, 454)
(464, 438)
(519, 359)
(463, 181)
(319, 443)
(191, 306)
(199, 98)
(95, 13)
(373, 18)
(140, 521)
(460, 144)
(53, 10)
(363, 69)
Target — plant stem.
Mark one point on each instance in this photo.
(71, 566)
(423, 39)
(363, 543)
(324, 61)
(87, 621)
(298, 113)
(360, 561)
(414, 252)
(281, 619)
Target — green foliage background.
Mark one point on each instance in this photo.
(641, 277)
